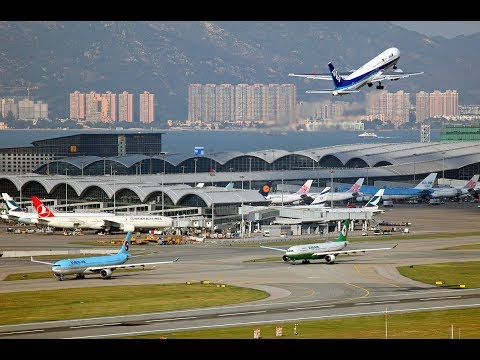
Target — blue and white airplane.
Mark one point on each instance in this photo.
(376, 70)
(104, 265)
(423, 189)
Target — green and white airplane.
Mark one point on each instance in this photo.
(328, 250)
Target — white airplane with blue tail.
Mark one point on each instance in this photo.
(103, 265)
(376, 70)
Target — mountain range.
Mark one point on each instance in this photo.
(56, 58)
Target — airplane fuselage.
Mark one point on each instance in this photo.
(307, 251)
(81, 265)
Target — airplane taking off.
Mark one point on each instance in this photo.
(375, 70)
(423, 189)
(104, 265)
(327, 250)
(285, 198)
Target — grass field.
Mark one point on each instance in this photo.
(34, 306)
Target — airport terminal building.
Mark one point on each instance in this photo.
(132, 174)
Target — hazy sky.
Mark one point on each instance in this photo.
(448, 29)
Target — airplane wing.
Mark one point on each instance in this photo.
(40, 262)
(98, 268)
(272, 248)
(394, 75)
(351, 251)
(319, 76)
(329, 91)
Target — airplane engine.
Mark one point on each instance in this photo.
(330, 259)
(128, 228)
(285, 258)
(106, 273)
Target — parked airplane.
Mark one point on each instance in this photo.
(104, 265)
(326, 197)
(285, 198)
(455, 191)
(326, 250)
(375, 70)
(16, 213)
(98, 221)
(423, 189)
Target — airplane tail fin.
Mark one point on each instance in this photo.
(336, 77)
(11, 204)
(126, 244)
(342, 235)
(427, 183)
(265, 189)
(41, 209)
(229, 186)
(305, 188)
(374, 200)
(472, 183)
(356, 187)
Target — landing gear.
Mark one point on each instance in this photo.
(380, 86)
(369, 84)
(305, 261)
(60, 277)
(79, 276)
(395, 67)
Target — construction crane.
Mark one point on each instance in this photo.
(14, 88)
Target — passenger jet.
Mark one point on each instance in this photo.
(99, 221)
(327, 250)
(376, 70)
(104, 265)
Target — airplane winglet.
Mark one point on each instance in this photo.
(175, 260)
(394, 246)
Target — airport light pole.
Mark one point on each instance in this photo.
(443, 166)
(66, 190)
(195, 160)
(114, 190)
(250, 171)
(331, 188)
(414, 162)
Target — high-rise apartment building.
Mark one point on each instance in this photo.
(389, 107)
(9, 106)
(77, 106)
(26, 110)
(101, 107)
(40, 110)
(274, 104)
(443, 104)
(125, 107)
(422, 106)
(436, 104)
(146, 108)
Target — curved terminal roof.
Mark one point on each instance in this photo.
(381, 160)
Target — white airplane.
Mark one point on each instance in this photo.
(15, 212)
(98, 221)
(104, 265)
(276, 199)
(375, 70)
(455, 191)
(326, 250)
(326, 197)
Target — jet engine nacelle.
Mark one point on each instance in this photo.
(330, 259)
(106, 273)
(285, 258)
(128, 228)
